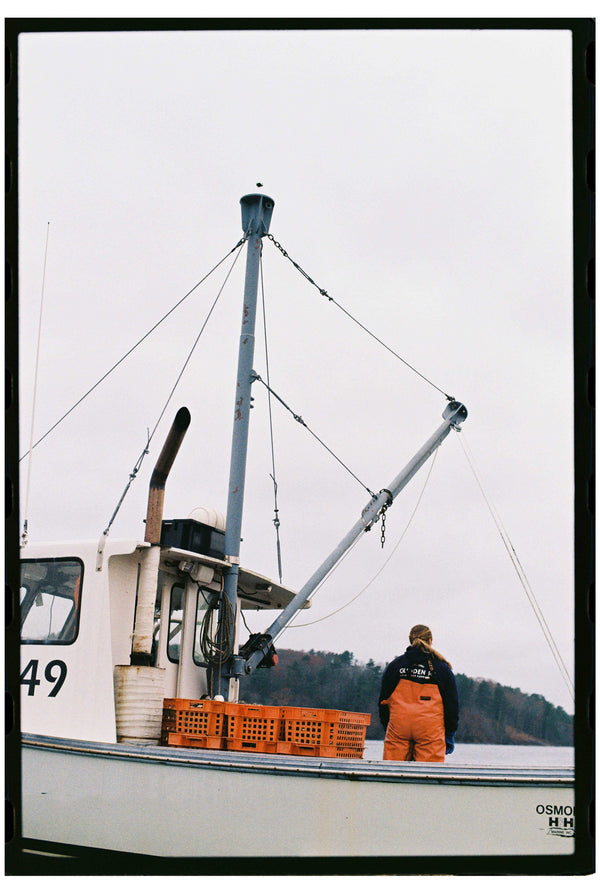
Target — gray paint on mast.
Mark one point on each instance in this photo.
(256, 216)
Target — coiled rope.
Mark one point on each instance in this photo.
(216, 636)
(215, 630)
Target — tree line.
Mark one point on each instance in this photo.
(489, 712)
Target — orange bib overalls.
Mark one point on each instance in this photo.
(416, 727)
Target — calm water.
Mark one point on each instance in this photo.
(495, 755)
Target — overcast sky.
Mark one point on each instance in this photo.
(423, 178)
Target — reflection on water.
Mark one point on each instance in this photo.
(495, 755)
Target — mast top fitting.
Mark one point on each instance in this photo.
(257, 211)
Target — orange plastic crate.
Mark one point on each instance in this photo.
(350, 731)
(345, 730)
(181, 741)
(354, 717)
(352, 753)
(193, 717)
(266, 729)
(253, 723)
(253, 745)
(280, 748)
(308, 726)
(314, 750)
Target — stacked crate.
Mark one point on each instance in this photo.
(350, 732)
(264, 729)
(192, 723)
(325, 733)
(253, 728)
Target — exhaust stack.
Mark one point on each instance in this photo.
(139, 687)
(141, 647)
(156, 494)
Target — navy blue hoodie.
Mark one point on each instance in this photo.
(414, 665)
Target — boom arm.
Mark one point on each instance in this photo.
(258, 647)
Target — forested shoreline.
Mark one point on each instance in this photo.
(489, 712)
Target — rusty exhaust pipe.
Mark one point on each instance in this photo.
(139, 687)
(156, 494)
(141, 647)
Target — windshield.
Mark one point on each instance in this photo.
(50, 600)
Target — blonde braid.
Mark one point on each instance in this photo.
(421, 636)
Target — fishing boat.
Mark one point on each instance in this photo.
(126, 644)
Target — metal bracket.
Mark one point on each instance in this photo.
(100, 552)
(456, 412)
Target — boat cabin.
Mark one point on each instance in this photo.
(78, 604)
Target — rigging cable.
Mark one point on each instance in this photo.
(216, 639)
(242, 616)
(299, 419)
(389, 558)
(354, 320)
(132, 476)
(132, 349)
(35, 382)
(276, 521)
(188, 358)
(520, 574)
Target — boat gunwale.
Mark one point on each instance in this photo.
(301, 765)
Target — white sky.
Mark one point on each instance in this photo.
(424, 179)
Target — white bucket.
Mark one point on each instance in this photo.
(139, 694)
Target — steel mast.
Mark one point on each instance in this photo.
(257, 211)
(256, 216)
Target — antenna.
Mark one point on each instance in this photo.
(35, 381)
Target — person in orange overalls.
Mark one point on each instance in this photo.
(418, 703)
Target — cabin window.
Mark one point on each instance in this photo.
(50, 598)
(205, 599)
(175, 622)
(177, 603)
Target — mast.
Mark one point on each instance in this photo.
(257, 211)
(256, 216)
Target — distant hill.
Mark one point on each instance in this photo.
(489, 713)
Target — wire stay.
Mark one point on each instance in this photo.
(512, 554)
(299, 419)
(146, 450)
(276, 520)
(132, 349)
(354, 320)
(35, 384)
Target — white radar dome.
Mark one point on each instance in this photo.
(210, 517)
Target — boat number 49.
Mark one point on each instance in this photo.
(55, 672)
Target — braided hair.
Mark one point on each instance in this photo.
(420, 636)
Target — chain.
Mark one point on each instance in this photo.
(277, 244)
(383, 511)
(298, 267)
(383, 527)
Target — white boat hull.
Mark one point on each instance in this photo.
(166, 802)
